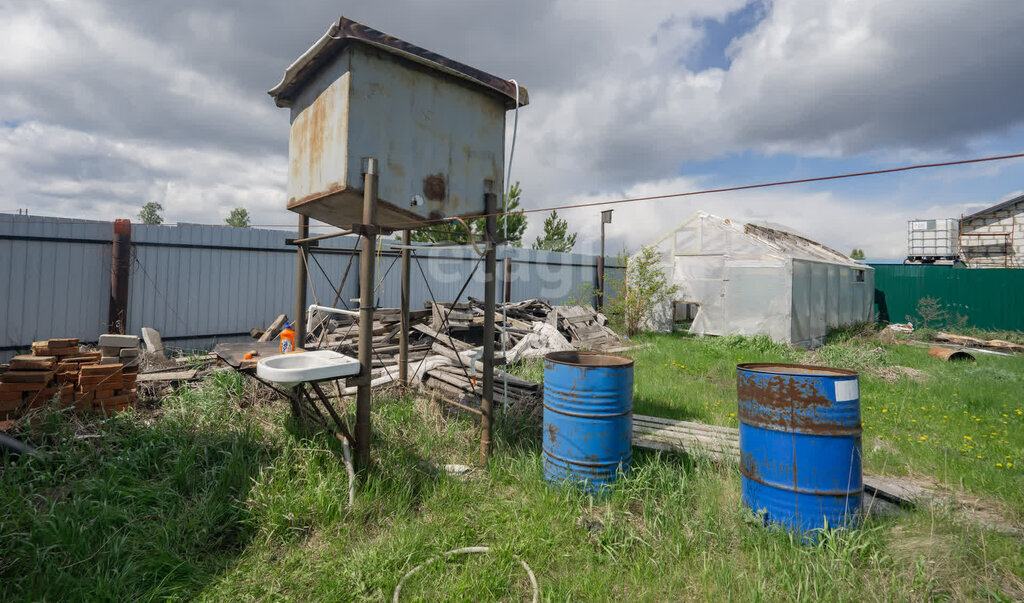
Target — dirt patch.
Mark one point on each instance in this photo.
(892, 374)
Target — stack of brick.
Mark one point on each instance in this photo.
(68, 367)
(32, 380)
(110, 385)
(105, 388)
(57, 348)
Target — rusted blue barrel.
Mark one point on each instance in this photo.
(800, 444)
(588, 417)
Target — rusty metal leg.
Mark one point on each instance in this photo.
(487, 399)
(366, 286)
(120, 270)
(298, 320)
(403, 336)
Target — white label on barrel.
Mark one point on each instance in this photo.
(847, 390)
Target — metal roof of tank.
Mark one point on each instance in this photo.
(347, 31)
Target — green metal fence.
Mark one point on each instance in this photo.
(989, 299)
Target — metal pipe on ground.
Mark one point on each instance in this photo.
(950, 355)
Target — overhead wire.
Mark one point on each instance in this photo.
(423, 223)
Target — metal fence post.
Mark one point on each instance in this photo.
(120, 270)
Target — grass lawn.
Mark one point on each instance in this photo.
(214, 497)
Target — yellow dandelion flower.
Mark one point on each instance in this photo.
(967, 437)
(999, 464)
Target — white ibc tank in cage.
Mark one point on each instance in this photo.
(932, 239)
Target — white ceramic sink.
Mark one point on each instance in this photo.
(291, 369)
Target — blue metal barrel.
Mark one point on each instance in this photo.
(588, 417)
(800, 444)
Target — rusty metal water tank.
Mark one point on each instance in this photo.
(800, 444)
(435, 126)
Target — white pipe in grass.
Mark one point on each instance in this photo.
(468, 549)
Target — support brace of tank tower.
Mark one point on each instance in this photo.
(368, 230)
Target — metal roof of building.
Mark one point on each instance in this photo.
(996, 207)
(347, 31)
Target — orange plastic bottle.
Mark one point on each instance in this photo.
(287, 339)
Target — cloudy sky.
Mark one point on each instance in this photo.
(105, 105)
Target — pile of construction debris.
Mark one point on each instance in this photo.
(446, 345)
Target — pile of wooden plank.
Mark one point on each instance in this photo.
(462, 387)
(454, 333)
(966, 341)
(584, 326)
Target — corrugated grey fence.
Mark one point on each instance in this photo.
(199, 285)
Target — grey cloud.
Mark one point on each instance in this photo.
(183, 84)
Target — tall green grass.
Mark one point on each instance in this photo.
(204, 499)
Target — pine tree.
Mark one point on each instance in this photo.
(556, 235)
(511, 225)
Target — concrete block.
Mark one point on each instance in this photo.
(128, 352)
(152, 339)
(118, 341)
(110, 360)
